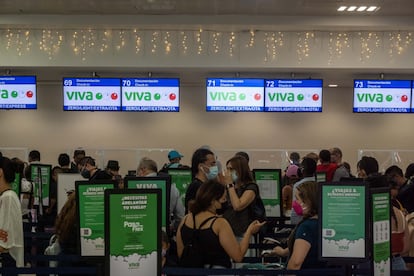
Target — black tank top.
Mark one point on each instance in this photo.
(209, 243)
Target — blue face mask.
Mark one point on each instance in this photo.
(174, 165)
(234, 176)
(213, 172)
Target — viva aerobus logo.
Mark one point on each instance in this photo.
(232, 96)
(88, 96)
(377, 97)
(147, 96)
(289, 97)
(5, 94)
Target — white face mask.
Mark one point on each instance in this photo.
(234, 176)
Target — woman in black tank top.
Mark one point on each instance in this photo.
(216, 241)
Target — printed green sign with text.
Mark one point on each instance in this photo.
(381, 234)
(92, 218)
(133, 234)
(269, 185)
(343, 221)
(149, 183)
(181, 178)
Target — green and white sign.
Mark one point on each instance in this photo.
(133, 230)
(91, 213)
(270, 189)
(162, 183)
(381, 233)
(343, 218)
(41, 174)
(181, 178)
(15, 185)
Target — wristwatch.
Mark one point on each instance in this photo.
(231, 185)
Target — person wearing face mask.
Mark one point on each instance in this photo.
(242, 192)
(216, 245)
(303, 242)
(90, 171)
(203, 168)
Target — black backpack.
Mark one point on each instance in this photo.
(193, 255)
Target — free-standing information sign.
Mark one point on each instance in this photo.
(132, 232)
(181, 178)
(342, 214)
(381, 228)
(41, 177)
(157, 182)
(90, 207)
(16, 184)
(270, 189)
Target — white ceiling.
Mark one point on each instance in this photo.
(201, 7)
(231, 14)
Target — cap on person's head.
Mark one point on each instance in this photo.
(113, 165)
(292, 171)
(174, 154)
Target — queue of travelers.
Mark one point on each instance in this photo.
(217, 202)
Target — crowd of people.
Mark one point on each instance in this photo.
(217, 204)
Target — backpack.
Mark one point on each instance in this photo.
(193, 254)
(257, 208)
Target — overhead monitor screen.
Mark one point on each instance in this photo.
(160, 95)
(289, 95)
(382, 96)
(91, 94)
(18, 92)
(235, 95)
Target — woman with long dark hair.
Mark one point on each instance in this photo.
(217, 242)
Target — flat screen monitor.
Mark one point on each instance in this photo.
(91, 94)
(288, 95)
(235, 95)
(382, 96)
(159, 95)
(18, 92)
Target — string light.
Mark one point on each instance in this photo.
(50, 42)
(399, 42)
(251, 39)
(154, 41)
(273, 42)
(215, 42)
(303, 45)
(83, 42)
(184, 42)
(167, 43)
(121, 40)
(336, 45)
(199, 42)
(138, 41)
(232, 43)
(369, 42)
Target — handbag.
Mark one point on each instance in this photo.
(53, 249)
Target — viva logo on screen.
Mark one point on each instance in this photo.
(379, 98)
(89, 96)
(147, 96)
(232, 96)
(290, 97)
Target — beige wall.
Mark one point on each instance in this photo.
(51, 130)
